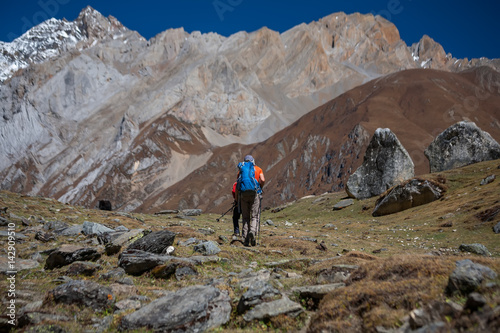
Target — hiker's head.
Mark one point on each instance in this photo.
(249, 158)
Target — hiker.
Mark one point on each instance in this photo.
(251, 180)
(236, 214)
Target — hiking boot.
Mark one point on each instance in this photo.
(251, 238)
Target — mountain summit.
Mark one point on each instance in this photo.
(92, 110)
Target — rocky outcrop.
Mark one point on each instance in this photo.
(468, 277)
(461, 144)
(412, 193)
(67, 254)
(155, 242)
(385, 164)
(83, 292)
(191, 309)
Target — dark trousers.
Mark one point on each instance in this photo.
(236, 218)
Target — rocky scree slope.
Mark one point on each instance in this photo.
(92, 110)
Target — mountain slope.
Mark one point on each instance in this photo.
(318, 152)
(91, 110)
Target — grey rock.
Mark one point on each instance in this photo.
(127, 304)
(488, 180)
(248, 277)
(178, 268)
(496, 228)
(272, 309)
(82, 268)
(343, 204)
(461, 144)
(113, 275)
(18, 237)
(191, 212)
(475, 248)
(83, 292)
(188, 242)
(386, 163)
(56, 226)
(270, 222)
(67, 254)
(206, 231)
(412, 193)
(37, 318)
(136, 262)
(121, 228)
(122, 239)
(259, 292)
(155, 242)
(475, 301)
(207, 248)
(336, 274)
(318, 291)
(91, 228)
(70, 231)
(467, 277)
(191, 309)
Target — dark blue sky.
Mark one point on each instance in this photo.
(464, 28)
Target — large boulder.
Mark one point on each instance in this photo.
(461, 144)
(386, 163)
(155, 242)
(191, 309)
(68, 254)
(468, 277)
(83, 292)
(412, 193)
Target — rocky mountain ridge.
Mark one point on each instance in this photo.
(111, 115)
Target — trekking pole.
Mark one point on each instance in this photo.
(260, 210)
(225, 212)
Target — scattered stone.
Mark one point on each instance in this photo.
(475, 248)
(191, 309)
(322, 246)
(467, 277)
(496, 228)
(309, 239)
(283, 306)
(207, 248)
(330, 226)
(167, 211)
(127, 304)
(206, 231)
(113, 275)
(461, 144)
(121, 227)
(155, 242)
(270, 223)
(248, 277)
(136, 262)
(336, 274)
(67, 254)
(180, 269)
(190, 212)
(188, 242)
(37, 318)
(412, 193)
(91, 228)
(317, 292)
(488, 180)
(257, 293)
(343, 204)
(56, 226)
(19, 236)
(44, 237)
(71, 231)
(83, 268)
(83, 292)
(288, 224)
(120, 290)
(474, 302)
(223, 239)
(386, 163)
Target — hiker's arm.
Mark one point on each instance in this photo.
(262, 180)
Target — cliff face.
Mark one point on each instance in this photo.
(91, 109)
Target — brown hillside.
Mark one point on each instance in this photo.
(319, 151)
